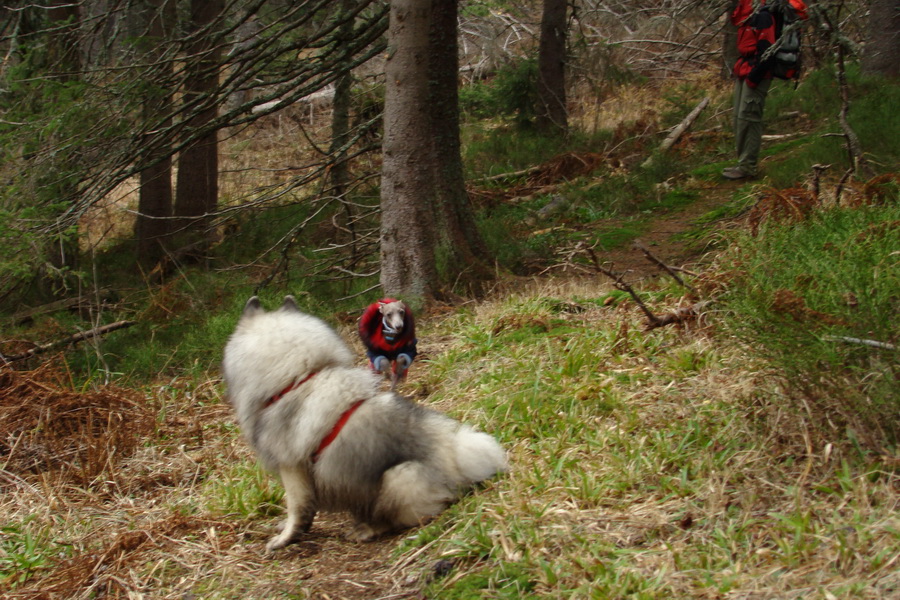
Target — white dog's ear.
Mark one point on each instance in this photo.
(290, 304)
(252, 307)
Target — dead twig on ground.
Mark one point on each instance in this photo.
(72, 339)
(680, 315)
(620, 284)
(640, 246)
(861, 341)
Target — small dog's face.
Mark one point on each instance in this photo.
(393, 315)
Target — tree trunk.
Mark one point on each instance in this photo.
(882, 51)
(465, 250)
(552, 116)
(340, 114)
(155, 195)
(729, 42)
(339, 175)
(197, 188)
(407, 185)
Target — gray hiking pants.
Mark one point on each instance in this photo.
(748, 122)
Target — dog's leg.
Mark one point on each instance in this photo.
(395, 379)
(400, 366)
(301, 506)
(410, 495)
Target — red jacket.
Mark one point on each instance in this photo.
(756, 33)
(371, 331)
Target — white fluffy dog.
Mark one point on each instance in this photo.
(337, 442)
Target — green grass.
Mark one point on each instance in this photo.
(640, 468)
(244, 491)
(818, 100)
(800, 290)
(26, 548)
(504, 149)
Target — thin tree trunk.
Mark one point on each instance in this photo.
(64, 44)
(198, 169)
(463, 246)
(340, 132)
(155, 195)
(552, 116)
(729, 42)
(65, 61)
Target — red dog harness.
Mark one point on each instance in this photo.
(287, 390)
(326, 441)
(332, 435)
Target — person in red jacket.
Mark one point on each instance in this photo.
(388, 331)
(757, 25)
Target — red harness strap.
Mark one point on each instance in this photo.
(326, 441)
(342, 420)
(286, 390)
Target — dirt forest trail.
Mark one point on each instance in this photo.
(664, 236)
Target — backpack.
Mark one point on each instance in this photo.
(785, 52)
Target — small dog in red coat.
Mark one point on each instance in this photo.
(388, 331)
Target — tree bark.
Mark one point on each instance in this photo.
(552, 116)
(339, 175)
(461, 243)
(407, 186)
(882, 51)
(155, 195)
(729, 42)
(197, 187)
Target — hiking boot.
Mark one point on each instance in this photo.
(736, 173)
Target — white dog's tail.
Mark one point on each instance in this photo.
(478, 455)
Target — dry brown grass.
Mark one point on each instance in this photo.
(115, 486)
(76, 436)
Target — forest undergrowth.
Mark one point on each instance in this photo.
(746, 450)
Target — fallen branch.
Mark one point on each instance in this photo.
(513, 174)
(681, 315)
(680, 129)
(72, 339)
(640, 246)
(620, 284)
(777, 137)
(862, 342)
(685, 313)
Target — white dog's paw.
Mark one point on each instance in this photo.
(289, 533)
(281, 540)
(363, 532)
